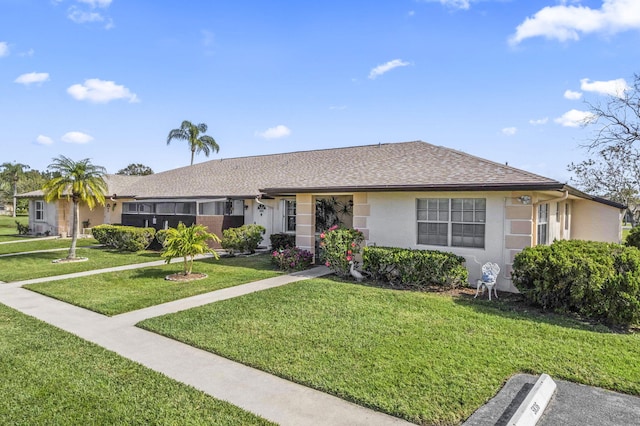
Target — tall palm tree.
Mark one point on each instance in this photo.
(13, 172)
(78, 181)
(191, 133)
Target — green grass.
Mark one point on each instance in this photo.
(8, 230)
(37, 265)
(33, 245)
(52, 377)
(429, 358)
(125, 291)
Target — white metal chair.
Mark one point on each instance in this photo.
(489, 278)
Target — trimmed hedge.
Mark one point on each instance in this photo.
(418, 269)
(600, 281)
(124, 238)
(282, 241)
(243, 239)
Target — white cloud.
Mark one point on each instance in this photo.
(383, 68)
(564, 22)
(28, 53)
(76, 137)
(80, 16)
(509, 131)
(32, 77)
(100, 91)
(44, 140)
(4, 49)
(611, 87)
(455, 4)
(539, 121)
(279, 131)
(575, 118)
(571, 95)
(96, 3)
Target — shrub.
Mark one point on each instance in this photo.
(124, 238)
(600, 281)
(161, 236)
(188, 242)
(633, 238)
(282, 241)
(418, 269)
(291, 259)
(243, 239)
(22, 229)
(339, 246)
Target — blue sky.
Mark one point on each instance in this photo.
(505, 80)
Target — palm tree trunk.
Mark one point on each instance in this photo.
(193, 153)
(15, 198)
(74, 231)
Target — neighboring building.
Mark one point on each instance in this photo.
(410, 194)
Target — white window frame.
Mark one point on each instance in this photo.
(288, 216)
(38, 214)
(460, 218)
(542, 227)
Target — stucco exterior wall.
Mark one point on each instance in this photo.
(391, 220)
(595, 221)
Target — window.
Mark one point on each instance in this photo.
(129, 208)
(566, 216)
(457, 222)
(558, 212)
(290, 215)
(39, 208)
(543, 223)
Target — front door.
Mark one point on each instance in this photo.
(263, 215)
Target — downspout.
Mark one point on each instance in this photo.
(535, 216)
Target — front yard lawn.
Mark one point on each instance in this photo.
(37, 265)
(117, 292)
(41, 244)
(428, 358)
(55, 378)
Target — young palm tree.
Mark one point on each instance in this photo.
(13, 172)
(191, 133)
(80, 182)
(187, 242)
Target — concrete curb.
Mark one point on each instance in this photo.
(533, 406)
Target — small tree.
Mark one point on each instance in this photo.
(187, 242)
(78, 181)
(13, 172)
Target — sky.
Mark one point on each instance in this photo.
(506, 80)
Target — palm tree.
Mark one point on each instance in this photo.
(191, 133)
(13, 172)
(80, 182)
(187, 242)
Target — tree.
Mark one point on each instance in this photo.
(136, 169)
(80, 182)
(619, 118)
(187, 242)
(13, 172)
(614, 174)
(191, 133)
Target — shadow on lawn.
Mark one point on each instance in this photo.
(514, 306)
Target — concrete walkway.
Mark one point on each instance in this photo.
(271, 397)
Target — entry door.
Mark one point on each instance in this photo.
(263, 215)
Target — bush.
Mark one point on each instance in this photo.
(292, 259)
(600, 281)
(161, 236)
(282, 241)
(418, 269)
(124, 238)
(339, 246)
(243, 239)
(633, 238)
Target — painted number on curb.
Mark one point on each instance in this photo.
(535, 408)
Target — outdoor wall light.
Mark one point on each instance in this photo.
(525, 199)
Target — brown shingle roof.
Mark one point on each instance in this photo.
(116, 184)
(388, 166)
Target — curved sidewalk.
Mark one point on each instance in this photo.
(271, 397)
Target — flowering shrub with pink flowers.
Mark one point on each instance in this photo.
(338, 247)
(291, 259)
